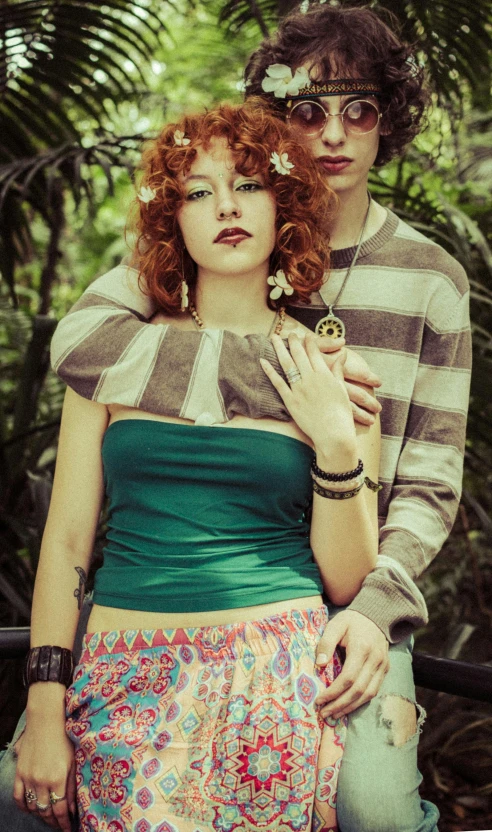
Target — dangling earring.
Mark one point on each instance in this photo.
(184, 286)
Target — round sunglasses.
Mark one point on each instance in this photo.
(310, 117)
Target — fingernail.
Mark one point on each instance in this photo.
(322, 658)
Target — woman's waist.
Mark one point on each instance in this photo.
(104, 619)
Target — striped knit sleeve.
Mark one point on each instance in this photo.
(427, 473)
(106, 351)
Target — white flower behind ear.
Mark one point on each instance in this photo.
(146, 194)
(281, 163)
(280, 284)
(281, 82)
(180, 138)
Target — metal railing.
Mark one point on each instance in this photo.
(473, 681)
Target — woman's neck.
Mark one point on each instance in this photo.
(234, 302)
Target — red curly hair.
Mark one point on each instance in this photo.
(304, 203)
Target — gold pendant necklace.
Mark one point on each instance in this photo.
(331, 325)
(276, 326)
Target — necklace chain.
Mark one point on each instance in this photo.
(331, 325)
(275, 328)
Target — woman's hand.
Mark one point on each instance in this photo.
(317, 400)
(46, 772)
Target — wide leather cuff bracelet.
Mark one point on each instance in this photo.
(48, 664)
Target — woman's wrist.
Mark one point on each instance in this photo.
(46, 697)
(337, 457)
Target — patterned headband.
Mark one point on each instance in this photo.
(280, 80)
(339, 86)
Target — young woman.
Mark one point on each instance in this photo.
(194, 704)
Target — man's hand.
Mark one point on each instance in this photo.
(356, 372)
(366, 662)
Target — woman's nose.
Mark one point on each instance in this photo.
(227, 206)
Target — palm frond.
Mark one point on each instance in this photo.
(455, 38)
(77, 51)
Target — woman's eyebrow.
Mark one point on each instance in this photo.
(196, 176)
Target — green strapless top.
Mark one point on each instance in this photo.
(204, 518)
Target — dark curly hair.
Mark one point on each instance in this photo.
(304, 202)
(344, 42)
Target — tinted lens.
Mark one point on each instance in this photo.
(360, 117)
(308, 117)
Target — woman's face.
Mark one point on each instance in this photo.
(227, 219)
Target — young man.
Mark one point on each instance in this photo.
(353, 93)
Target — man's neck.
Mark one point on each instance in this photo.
(347, 224)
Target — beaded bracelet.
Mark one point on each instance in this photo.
(347, 485)
(345, 495)
(348, 475)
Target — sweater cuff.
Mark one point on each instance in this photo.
(395, 610)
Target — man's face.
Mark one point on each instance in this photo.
(345, 157)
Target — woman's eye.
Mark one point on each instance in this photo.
(196, 195)
(250, 186)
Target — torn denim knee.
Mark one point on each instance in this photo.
(401, 718)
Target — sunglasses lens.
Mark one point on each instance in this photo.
(308, 117)
(360, 117)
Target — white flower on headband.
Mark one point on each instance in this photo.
(281, 163)
(280, 283)
(146, 194)
(281, 82)
(179, 138)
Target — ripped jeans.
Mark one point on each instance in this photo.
(379, 779)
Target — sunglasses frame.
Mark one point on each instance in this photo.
(333, 115)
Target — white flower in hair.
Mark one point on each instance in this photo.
(281, 163)
(146, 194)
(281, 82)
(180, 139)
(280, 284)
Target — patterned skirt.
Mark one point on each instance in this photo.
(212, 729)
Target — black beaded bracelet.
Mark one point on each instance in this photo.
(348, 475)
(48, 664)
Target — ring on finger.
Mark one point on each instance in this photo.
(293, 375)
(43, 807)
(30, 795)
(55, 798)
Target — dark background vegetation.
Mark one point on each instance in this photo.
(81, 84)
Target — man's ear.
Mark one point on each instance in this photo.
(385, 129)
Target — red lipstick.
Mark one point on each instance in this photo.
(232, 236)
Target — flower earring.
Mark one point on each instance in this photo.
(280, 284)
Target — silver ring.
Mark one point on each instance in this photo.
(293, 375)
(43, 807)
(30, 795)
(55, 798)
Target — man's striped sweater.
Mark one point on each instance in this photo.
(405, 308)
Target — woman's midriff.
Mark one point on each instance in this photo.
(103, 619)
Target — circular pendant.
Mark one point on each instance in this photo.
(330, 326)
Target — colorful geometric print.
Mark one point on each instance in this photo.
(206, 730)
